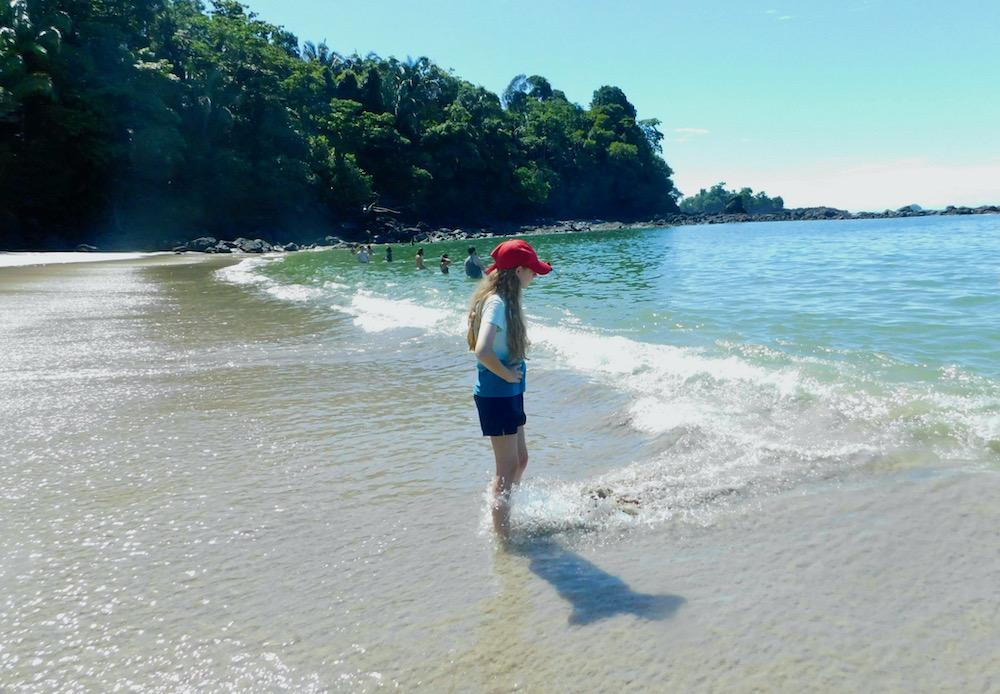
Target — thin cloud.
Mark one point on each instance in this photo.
(686, 134)
(865, 6)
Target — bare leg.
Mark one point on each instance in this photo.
(522, 456)
(508, 453)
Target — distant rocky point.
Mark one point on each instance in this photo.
(817, 213)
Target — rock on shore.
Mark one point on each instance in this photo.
(389, 230)
(210, 244)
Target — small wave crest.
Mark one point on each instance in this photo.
(375, 304)
(250, 272)
(246, 272)
(377, 314)
(739, 422)
(757, 397)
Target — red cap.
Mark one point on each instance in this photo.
(515, 253)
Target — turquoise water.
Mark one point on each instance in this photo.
(764, 457)
(810, 348)
(921, 292)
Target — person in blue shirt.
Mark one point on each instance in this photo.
(498, 337)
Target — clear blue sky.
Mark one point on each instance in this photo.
(858, 104)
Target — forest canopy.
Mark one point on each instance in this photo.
(718, 199)
(136, 121)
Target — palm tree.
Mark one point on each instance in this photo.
(25, 60)
(415, 85)
(321, 54)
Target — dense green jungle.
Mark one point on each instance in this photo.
(135, 123)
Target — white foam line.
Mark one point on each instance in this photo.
(626, 360)
(245, 272)
(8, 259)
(377, 314)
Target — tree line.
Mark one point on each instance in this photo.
(134, 122)
(717, 199)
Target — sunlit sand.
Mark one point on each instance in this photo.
(21, 259)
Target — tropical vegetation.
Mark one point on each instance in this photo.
(134, 122)
(717, 199)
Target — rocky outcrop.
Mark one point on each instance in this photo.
(810, 214)
(205, 244)
(209, 244)
(913, 211)
(735, 206)
(388, 229)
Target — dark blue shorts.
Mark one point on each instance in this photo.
(501, 416)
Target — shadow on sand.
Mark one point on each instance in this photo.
(594, 594)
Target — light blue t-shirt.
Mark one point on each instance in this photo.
(488, 384)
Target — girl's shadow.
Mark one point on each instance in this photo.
(593, 593)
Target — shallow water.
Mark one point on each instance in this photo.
(763, 459)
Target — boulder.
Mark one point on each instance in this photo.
(202, 244)
(735, 206)
(252, 245)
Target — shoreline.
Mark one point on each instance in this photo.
(386, 229)
(800, 214)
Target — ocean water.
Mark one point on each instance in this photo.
(763, 457)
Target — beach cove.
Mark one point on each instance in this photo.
(763, 458)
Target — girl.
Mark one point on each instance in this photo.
(497, 336)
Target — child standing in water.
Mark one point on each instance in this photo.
(498, 337)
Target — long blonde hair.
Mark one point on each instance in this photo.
(506, 284)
